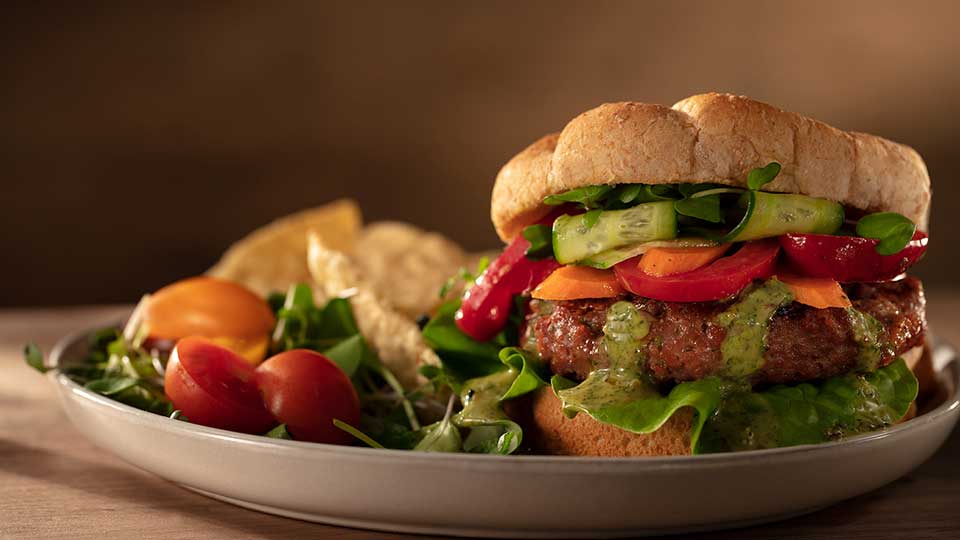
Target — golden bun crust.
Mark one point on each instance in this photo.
(550, 432)
(513, 210)
(711, 138)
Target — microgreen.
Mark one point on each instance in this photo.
(279, 432)
(541, 243)
(34, 358)
(893, 230)
(757, 178)
(706, 208)
(590, 196)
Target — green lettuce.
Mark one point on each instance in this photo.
(484, 375)
(811, 413)
(729, 417)
(624, 400)
(461, 356)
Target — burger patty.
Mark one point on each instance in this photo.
(683, 343)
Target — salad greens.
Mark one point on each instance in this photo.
(120, 365)
(893, 230)
(541, 242)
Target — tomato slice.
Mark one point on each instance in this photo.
(849, 258)
(306, 391)
(215, 387)
(722, 278)
(486, 305)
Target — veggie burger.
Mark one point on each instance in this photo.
(719, 275)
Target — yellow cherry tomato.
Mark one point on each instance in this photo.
(222, 311)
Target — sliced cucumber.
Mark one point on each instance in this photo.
(774, 214)
(611, 257)
(574, 240)
(716, 191)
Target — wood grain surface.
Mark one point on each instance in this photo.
(56, 485)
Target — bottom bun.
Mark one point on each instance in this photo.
(548, 431)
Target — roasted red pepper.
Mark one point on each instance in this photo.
(486, 305)
(722, 278)
(848, 258)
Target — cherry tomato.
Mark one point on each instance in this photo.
(722, 278)
(849, 258)
(307, 391)
(215, 387)
(223, 311)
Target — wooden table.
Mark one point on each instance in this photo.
(55, 484)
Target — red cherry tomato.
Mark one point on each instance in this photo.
(307, 391)
(722, 278)
(849, 258)
(215, 387)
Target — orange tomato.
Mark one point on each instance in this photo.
(222, 311)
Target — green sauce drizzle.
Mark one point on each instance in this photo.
(606, 388)
(746, 323)
(623, 335)
(868, 333)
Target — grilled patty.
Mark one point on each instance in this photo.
(802, 343)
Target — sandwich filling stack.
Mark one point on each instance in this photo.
(719, 275)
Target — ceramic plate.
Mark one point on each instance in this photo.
(506, 496)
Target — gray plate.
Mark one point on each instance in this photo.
(506, 496)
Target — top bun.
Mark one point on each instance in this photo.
(715, 138)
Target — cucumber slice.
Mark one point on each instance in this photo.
(715, 191)
(611, 257)
(774, 214)
(574, 241)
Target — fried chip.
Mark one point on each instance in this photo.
(394, 337)
(407, 265)
(273, 257)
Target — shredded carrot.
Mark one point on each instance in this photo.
(667, 261)
(820, 293)
(577, 282)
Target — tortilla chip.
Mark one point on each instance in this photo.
(406, 265)
(394, 337)
(273, 257)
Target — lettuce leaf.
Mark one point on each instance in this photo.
(811, 413)
(484, 375)
(625, 401)
(462, 357)
(491, 430)
(730, 418)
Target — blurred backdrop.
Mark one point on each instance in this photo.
(140, 139)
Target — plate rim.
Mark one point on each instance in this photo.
(950, 370)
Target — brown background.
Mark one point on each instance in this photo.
(138, 141)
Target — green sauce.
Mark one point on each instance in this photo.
(746, 324)
(606, 388)
(481, 396)
(623, 335)
(868, 333)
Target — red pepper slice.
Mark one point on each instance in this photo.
(722, 278)
(486, 305)
(849, 258)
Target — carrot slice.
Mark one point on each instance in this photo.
(667, 261)
(576, 282)
(820, 293)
